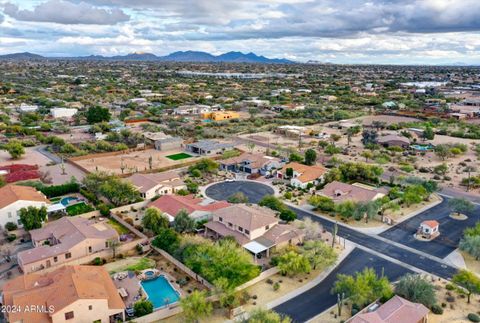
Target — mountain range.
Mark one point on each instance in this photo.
(185, 56)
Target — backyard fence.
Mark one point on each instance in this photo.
(184, 268)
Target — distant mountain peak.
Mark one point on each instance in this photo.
(178, 56)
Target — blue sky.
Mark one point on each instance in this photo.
(338, 31)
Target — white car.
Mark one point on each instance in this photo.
(229, 180)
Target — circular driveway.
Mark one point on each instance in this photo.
(254, 191)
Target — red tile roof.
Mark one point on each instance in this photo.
(172, 204)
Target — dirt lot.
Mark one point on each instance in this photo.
(31, 157)
(133, 161)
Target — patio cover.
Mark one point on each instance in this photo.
(55, 207)
(255, 247)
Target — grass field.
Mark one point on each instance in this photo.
(79, 208)
(179, 156)
(118, 226)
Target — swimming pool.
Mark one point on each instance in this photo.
(422, 147)
(66, 200)
(160, 292)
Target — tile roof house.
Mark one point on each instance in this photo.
(151, 185)
(65, 240)
(197, 208)
(67, 294)
(251, 163)
(394, 140)
(254, 227)
(302, 174)
(15, 197)
(397, 309)
(340, 192)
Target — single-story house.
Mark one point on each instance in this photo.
(302, 175)
(397, 309)
(429, 229)
(394, 140)
(198, 209)
(208, 147)
(15, 197)
(192, 109)
(64, 240)
(151, 185)
(340, 192)
(67, 294)
(251, 163)
(255, 228)
(169, 143)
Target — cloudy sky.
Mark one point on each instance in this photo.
(339, 31)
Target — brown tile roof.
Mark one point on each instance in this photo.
(68, 232)
(396, 310)
(12, 193)
(308, 173)
(145, 182)
(172, 204)
(223, 231)
(250, 217)
(283, 232)
(339, 191)
(59, 289)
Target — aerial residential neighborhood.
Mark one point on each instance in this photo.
(239, 161)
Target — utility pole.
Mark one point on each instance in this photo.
(334, 233)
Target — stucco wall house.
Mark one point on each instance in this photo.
(15, 197)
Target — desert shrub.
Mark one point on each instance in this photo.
(10, 226)
(473, 317)
(437, 309)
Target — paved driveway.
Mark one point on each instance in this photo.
(318, 299)
(253, 190)
(450, 230)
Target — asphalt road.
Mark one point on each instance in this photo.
(253, 191)
(384, 248)
(451, 231)
(319, 298)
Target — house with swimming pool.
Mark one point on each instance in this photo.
(65, 240)
(67, 294)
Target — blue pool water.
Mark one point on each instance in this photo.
(66, 200)
(160, 292)
(422, 148)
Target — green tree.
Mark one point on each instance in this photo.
(428, 133)
(154, 220)
(97, 114)
(183, 222)
(461, 205)
(287, 215)
(468, 282)
(32, 217)
(322, 203)
(319, 253)
(310, 157)
(471, 245)
(417, 289)
(441, 169)
(442, 151)
(292, 263)
(294, 157)
(367, 154)
(414, 194)
(227, 295)
(196, 306)
(363, 288)
(167, 239)
(346, 209)
(143, 307)
(238, 197)
(14, 148)
(259, 315)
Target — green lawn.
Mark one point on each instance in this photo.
(118, 226)
(79, 208)
(178, 156)
(130, 264)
